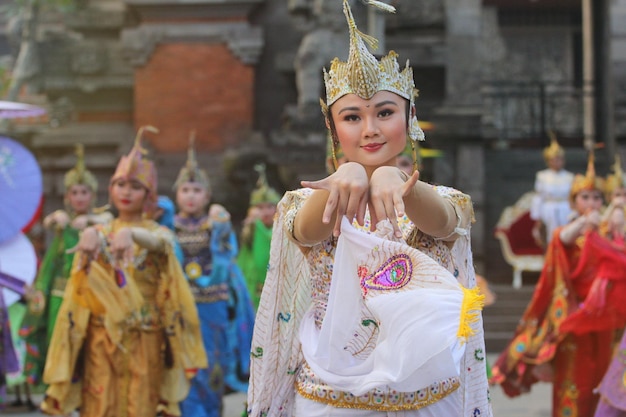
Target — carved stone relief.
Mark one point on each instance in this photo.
(89, 58)
(244, 41)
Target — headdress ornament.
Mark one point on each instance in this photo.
(615, 180)
(364, 75)
(79, 174)
(554, 149)
(589, 181)
(191, 172)
(135, 166)
(263, 193)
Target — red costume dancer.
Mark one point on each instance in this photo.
(541, 349)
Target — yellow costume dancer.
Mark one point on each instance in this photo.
(127, 338)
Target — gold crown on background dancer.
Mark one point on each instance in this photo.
(615, 180)
(263, 193)
(191, 172)
(79, 175)
(362, 74)
(554, 149)
(135, 166)
(589, 181)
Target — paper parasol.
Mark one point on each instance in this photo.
(20, 187)
(14, 110)
(18, 261)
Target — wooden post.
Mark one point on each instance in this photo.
(588, 76)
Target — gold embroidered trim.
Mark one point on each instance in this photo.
(209, 294)
(378, 400)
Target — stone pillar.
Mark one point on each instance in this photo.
(463, 38)
(617, 16)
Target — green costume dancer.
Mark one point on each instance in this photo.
(256, 235)
(47, 294)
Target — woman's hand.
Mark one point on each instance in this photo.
(122, 247)
(89, 244)
(58, 218)
(348, 191)
(592, 220)
(80, 222)
(386, 195)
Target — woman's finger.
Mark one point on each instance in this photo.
(360, 214)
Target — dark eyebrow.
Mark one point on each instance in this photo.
(348, 109)
(384, 103)
(381, 104)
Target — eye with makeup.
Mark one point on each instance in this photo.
(351, 118)
(385, 113)
(136, 185)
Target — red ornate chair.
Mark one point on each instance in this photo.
(514, 231)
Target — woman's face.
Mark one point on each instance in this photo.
(266, 213)
(556, 163)
(618, 195)
(192, 198)
(371, 132)
(128, 196)
(79, 197)
(587, 200)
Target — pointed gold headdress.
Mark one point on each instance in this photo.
(263, 193)
(587, 182)
(79, 174)
(191, 172)
(615, 180)
(135, 166)
(554, 149)
(364, 75)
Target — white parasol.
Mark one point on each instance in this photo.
(18, 261)
(15, 110)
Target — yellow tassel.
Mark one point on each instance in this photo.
(473, 303)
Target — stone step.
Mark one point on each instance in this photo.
(502, 317)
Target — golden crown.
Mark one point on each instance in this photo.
(79, 174)
(364, 75)
(263, 193)
(135, 166)
(554, 149)
(191, 172)
(589, 181)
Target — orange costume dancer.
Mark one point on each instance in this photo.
(542, 349)
(127, 338)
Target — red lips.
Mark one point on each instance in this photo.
(372, 147)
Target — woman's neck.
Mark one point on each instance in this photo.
(130, 217)
(188, 215)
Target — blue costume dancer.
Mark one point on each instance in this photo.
(226, 312)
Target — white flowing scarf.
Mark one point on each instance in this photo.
(422, 313)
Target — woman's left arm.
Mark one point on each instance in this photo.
(394, 193)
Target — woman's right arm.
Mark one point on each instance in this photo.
(344, 193)
(570, 232)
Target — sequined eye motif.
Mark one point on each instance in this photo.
(393, 274)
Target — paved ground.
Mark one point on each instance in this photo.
(534, 404)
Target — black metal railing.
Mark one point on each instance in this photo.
(518, 110)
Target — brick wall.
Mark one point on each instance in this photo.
(187, 86)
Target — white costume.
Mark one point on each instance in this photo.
(377, 352)
(551, 203)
